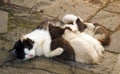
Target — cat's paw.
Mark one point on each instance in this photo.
(56, 52)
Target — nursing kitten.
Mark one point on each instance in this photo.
(86, 48)
(96, 30)
(68, 53)
(56, 33)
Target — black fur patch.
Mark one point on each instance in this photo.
(103, 30)
(68, 53)
(20, 46)
(55, 32)
(58, 41)
(81, 25)
(19, 50)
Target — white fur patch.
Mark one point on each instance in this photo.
(71, 26)
(56, 52)
(90, 26)
(100, 36)
(29, 54)
(97, 45)
(84, 46)
(70, 18)
(90, 29)
(42, 41)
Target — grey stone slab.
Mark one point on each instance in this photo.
(3, 21)
(107, 19)
(104, 67)
(115, 43)
(31, 3)
(6, 1)
(58, 9)
(15, 34)
(5, 44)
(113, 6)
(1, 2)
(12, 70)
(25, 3)
(5, 56)
(44, 64)
(98, 3)
(116, 69)
(79, 71)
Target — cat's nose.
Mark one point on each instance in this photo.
(31, 56)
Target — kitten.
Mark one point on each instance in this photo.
(68, 53)
(96, 30)
(86, 48)
(56, 33)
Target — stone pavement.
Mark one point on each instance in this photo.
(21, 16)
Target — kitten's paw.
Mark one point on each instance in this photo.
(56, 52)
(71, 26)
(90, 26)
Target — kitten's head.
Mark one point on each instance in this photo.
(71, 19)
(23, 49)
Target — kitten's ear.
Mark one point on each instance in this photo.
(80, 24)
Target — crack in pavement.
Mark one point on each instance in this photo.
(89, 18)
(112, 52)
(71, 70)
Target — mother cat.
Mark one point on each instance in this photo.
(39, 42)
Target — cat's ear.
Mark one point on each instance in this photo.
(30, 41)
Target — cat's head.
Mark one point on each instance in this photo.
(23, 49)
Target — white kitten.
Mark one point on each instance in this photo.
(85, 51)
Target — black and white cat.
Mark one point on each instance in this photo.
(36, 43)
(44, 40)
(96, 30)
